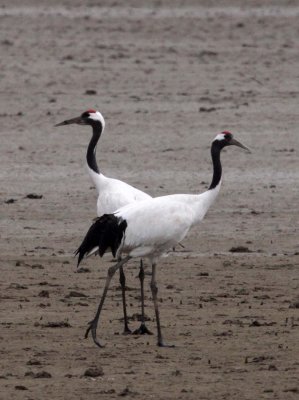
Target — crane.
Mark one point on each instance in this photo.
(148, 229)
(112, 194)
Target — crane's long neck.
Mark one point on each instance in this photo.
(217, 168)
(97, 129)
(203, 201)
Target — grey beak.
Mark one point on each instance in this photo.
(77, 120)
(236, 143)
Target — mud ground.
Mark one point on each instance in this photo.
(167, 77)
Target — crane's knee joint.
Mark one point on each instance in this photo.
(154, 288)
(122, 277)
(141, 273)
(111, 271)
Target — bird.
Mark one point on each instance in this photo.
(112, 194)
(150, 228)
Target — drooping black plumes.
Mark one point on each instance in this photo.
(106, 232)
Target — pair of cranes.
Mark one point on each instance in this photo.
(132, 224)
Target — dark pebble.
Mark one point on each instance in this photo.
(21, 387)
(90, 92)
(94, 372)
(240, 249)
(44, 293)
(34, 196)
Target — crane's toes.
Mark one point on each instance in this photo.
(97, 342)
(87, 331)
(127, 330)
(162, 344)
(142, 330)
(93, 328)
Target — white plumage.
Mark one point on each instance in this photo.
(112, 193)
(166, 223)
(167, 220)
(152, 227)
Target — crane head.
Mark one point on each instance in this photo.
(226, 138)
(89, 117)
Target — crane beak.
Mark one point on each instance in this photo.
(77, 120)
(236, 143)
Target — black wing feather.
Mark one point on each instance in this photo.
(106, 232)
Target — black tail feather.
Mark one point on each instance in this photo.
(106, 232)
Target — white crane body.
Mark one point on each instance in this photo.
(151, 227)
(112, 195)
(157, 225)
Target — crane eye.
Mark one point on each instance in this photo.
(85, 114)
(228, 136)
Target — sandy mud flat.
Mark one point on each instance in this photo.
(167, 78)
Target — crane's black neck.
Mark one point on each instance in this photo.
(217, 168)
(97, 129)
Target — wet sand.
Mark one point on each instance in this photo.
(167, 79)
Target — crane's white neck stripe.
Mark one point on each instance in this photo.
(220, 136)
(97, 116)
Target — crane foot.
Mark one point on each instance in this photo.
(127, 330)
(93, 328)
(142, 330)
(162, 344)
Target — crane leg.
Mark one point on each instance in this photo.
(122, 280)
(94, 323)
(154, 289)
(142, 330)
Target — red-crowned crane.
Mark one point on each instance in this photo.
(112, 195)
(149, 228)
